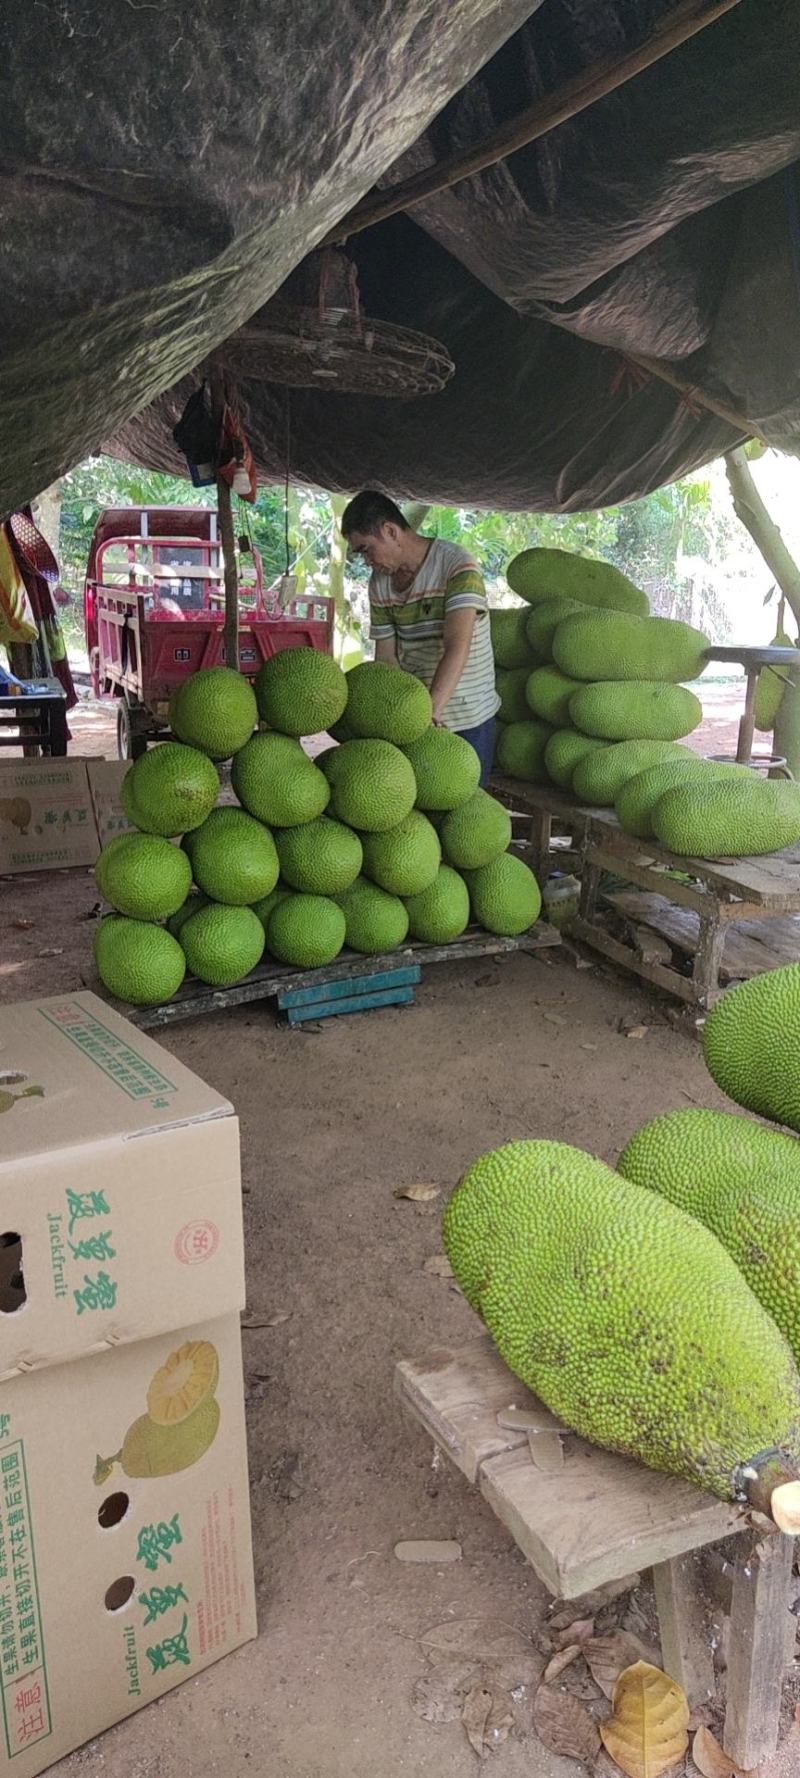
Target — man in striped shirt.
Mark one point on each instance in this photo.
(429, 614)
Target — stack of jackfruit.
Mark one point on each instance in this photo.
(594, 700)
(656, 1309)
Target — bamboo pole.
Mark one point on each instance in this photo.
(658, 367)
(576, 95)
(226, 532)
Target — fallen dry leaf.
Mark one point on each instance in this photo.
(475, 1639)
(591, 1603)
(418, 1194)
(564, 1725)
(563, 1659)
(648, 1731)
(536, 1419)
(711, 1759)
(499, 1723)
(608, 1656)
(438, 1266)
(547, 1451)
(580, 1630)
(274, 1320)
(439, 1696)
(475, 1715)
(51, 951)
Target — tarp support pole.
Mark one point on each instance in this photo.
(226, 533)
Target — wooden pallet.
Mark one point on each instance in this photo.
(271, 979)
(604, 1517)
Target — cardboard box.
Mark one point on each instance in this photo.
(105, 780)
(116, 1586)
(47, 820)
(120, 1199)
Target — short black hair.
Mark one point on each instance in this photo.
(368, 511)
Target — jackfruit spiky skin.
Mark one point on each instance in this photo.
(171, 789)
(372, 785)
(770, 687)
(751, 1043)
(405, 860)
(538, 574)
(564, 751)
(623, 1314)
(615, 645)
(277, 782)
(637, 799)
(511, 683)
(307, 930)
(137, 961)
(264, 906)
(386, 704)
(321, 858)
(641, 710)
(440, 913)
(476, 833)
(510, 645)
(145, 877)
(598, 778)
(192, 905)
(374, 921)
(520, 750)
(214, 710)
(446, 768)
(543, 621)
(733, 818)
(300, 691)
(743, 1182)
(234, 858)
(222, 944)
(548, 692)
(504, 895)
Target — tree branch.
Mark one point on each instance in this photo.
(752, 513)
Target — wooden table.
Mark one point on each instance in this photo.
(604, 1518)
(722, 890)
(36, 720)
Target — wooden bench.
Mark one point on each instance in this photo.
(603, 1518)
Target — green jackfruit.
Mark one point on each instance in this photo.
(140, 963)
(214, 710)
(129, 803)
(733, 818)
(300, 691)
(511, 683)
(616, 645)
(770, 687)
(446, 768)
(222, 944)
(265, 904)
(623, 1314)
(510, 645)
(751, 1042)
(374, 921)
(476, 833)
(192, 905)
(144, 876)
(564, 751)
(277, 782)
(307, 930)
(598, 777)
(538, 574)
(504, 895)
(372, 785)
(172, 788)
(548, 692)
(440, 913)
(386, 704)
(321, 858)
(519, 750)
(543, 621)
(622, 710)
(234, 858)
(743, 1182)
(638, 797)
(405, 860)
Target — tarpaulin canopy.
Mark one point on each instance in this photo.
(160, 192)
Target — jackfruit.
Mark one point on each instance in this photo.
(320, 858)
(306, 930)
(143, 876)
(476, 833)
(140, 963)
(511, 683)
(300, 691)
(447, 769)
(192, 905)
(637, 799)
(187, 1378)
(265, 904)
(616, 645)
(733, 818)
(543, 621)
(598, 778)
(405, 860)
(504, 895)
(234, 858)
(222, 944)
(743, 1182)
(509, 636)
(519, 750)
(277, 782)
(770, 686)
(564, 751)
(129, 804)
(374, 921)
(171, 788)
(623, 1314)
(548, 692)
(372, 785)
(214, 710)
(539, 574)
(386, 704)
(751, 1042)
(625, 710)
(440, 913)
(152, 1450)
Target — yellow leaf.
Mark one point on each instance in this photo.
(648, 1731)
(710, 1759)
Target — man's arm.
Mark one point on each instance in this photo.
(458, 630)
(386, 649)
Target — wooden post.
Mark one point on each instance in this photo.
(226, 533)
(685, 1647)
(759, 1609)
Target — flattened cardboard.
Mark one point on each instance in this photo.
(105, 782)
(47, 820)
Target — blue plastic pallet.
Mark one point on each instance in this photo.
(325, 1000)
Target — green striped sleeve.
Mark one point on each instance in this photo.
(465, 591)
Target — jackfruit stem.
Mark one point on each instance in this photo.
(771, 1485)
(785, 1506)
(104, 1467)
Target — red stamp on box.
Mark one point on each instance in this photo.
(196, 1242)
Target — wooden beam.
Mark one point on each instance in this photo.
(546, 114)
(226, 531)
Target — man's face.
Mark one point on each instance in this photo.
(381, 550)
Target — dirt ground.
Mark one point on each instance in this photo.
(332, 1121)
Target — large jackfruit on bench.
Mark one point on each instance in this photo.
(616, 645)
(538, 574)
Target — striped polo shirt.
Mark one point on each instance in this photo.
(449, 579)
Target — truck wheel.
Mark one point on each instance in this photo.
(131, 744)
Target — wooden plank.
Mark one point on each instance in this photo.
(635, 868)
(760, 1605)
(658, 973)
(686, 1653)
(751, 946)
(457, 1396)
(770, 881)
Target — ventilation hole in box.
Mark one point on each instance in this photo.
(120, 1592)
(113, 1510)
(12, 1282)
